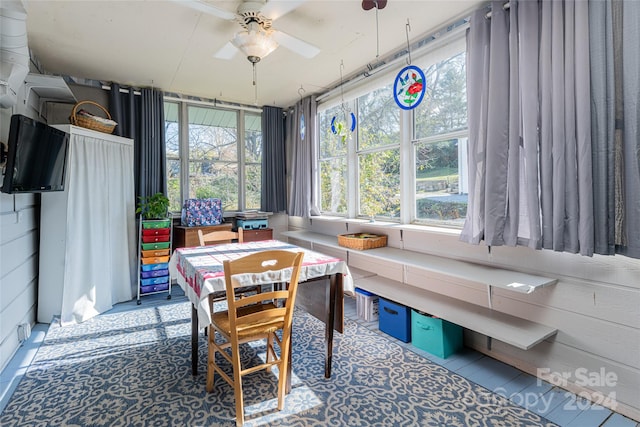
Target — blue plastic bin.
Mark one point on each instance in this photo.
(395, 319)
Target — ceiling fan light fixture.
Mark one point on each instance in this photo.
(255, 43)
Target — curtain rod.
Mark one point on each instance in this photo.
(421, 47)
(177, 98)
(214, 103)
(122, 90)
(505, 6)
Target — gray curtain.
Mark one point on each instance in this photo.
(302, 200)
(141, 118)
(274, 188)
(615, 112)
(530, 179)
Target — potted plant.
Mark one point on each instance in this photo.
(153, 207)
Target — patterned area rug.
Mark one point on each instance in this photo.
(133, 369)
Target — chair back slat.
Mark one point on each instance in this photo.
(216, 237)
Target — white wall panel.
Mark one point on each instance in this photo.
(14, 252)
(330, 226)
(388, 269)
(595, 304)
(298, 223)
(13, 282)
(447, 285)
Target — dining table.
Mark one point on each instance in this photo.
(323, 281)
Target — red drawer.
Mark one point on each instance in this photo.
(152, 239)
(155, 231)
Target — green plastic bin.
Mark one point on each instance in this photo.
(435, 335)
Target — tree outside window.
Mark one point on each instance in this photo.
(379, 154)
(440, 128)
(210, 156)
(333, 161)
(172, 146)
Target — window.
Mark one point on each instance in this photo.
(253, 159)
(213, 155)
(172, 143)
(440, 129)
(361, 173)
(379, 154)
(207, 148)
(333, 160)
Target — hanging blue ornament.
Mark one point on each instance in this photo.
(409, 87)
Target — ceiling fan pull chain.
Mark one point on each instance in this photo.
(255, 84)
(407, 29)
(254, 74)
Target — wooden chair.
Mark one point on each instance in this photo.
(254, 318)
(217, 237)
(225, 236)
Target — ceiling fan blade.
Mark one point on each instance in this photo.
(274, 9)
(294, 44)
(227, 51)
(208, 8)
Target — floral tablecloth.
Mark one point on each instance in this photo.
(199, 270)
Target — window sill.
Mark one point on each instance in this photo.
(386, 225)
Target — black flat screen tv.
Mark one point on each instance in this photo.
(36, 157)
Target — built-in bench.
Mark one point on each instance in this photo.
(402, 275)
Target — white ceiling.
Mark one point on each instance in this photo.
(170, 46)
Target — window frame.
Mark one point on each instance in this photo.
(450, 46)
(184, 155)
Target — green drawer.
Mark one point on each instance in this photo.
(155, 245)
(161, 223)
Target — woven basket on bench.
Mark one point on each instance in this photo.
(88, 122)
(362, 241)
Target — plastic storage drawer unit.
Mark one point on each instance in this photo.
(395, 320)
(367, 305)
(435, 335)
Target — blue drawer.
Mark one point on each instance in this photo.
(154, 281)
(152, 267)
(153, 273)
(395, 319)
(154, 288)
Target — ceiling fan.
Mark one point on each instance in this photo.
(257, 38)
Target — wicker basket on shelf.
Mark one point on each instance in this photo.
(91, 122)
(362, 241)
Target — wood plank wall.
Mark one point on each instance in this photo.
(595, 305)
(19, 244)
(18, 268)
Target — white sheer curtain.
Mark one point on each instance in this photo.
(101, 232)
(530, 174)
